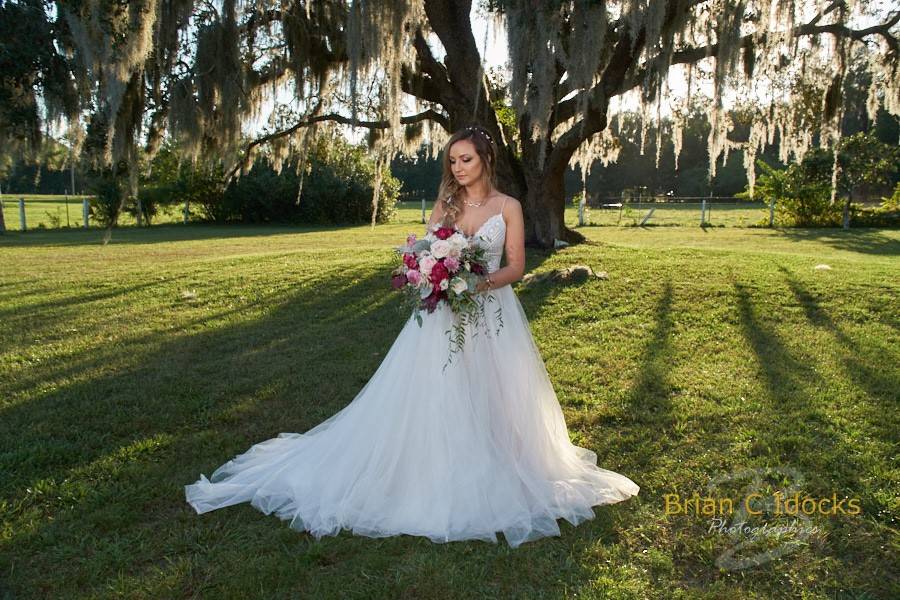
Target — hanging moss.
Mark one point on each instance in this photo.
(574, 64)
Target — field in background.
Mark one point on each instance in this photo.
(50, 212)
(718, 214)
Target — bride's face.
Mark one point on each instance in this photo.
(465, 164)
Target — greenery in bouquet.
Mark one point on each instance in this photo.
(445, 267)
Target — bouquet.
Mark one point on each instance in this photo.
(443, 267)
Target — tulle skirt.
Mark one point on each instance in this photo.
(450, 454)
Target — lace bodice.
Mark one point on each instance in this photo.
(492, 237)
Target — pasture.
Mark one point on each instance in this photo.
(128, 369)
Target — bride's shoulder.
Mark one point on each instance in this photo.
(508, 203)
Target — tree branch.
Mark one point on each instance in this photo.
(566, 109)
(691, 55)
(429, 114)
(436, 87)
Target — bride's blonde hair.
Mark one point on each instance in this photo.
(448, 192)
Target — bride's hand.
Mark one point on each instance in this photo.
(482, 285)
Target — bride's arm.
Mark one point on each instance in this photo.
(515, 248)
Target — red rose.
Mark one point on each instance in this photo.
(438, 273)
(398, 281)
(432, 300)
(477, 268)
(442, 233)
(410, 261)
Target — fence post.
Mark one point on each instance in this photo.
(581, 211)
(85, 211)
(423, 209)
(702, 212)
(187, 210)
(22, 214)
(772, 212)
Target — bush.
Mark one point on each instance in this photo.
(337, 189)
(808, 205)
(109, 187)
(887, 214)
(802, 197)
(802, 191)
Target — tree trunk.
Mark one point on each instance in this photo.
(544, 204)
(464, 97)
(2, 220)
(846, 219)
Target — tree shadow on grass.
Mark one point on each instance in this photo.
(859, 361)
(93, 470)
(159, 234)
(862, 240)
(792, 429)
(71, 303)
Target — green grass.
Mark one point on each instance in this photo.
(126, 370)
(724, 214)
(53, 212)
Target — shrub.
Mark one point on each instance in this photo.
(108, 187)
(337, 188)
(802, 197)
(887, 214)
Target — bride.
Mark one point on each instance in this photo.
(463, 453)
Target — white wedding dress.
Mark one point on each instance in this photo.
(455, 454)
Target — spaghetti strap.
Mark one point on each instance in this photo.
(502, 204)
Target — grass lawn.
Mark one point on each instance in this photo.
(53, 212)
(126, 370)
(50, 212)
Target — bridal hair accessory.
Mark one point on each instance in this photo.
(481, 131)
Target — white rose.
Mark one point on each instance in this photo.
(458, 240)
(457, 246)
(440, 249)
(459, 285)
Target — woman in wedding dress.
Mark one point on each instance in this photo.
(457, 454)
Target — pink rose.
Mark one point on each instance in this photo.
(452, 263)
(411, 239)
(426, 264)
(414, 276)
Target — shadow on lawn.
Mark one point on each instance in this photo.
(70, 304)
(793, 429)
(862, 240)
(858, 361)
(648, 402)
(110, 455)
(164, 233)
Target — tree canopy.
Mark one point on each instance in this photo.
(121, 75)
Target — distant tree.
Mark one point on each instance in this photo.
(864, 160)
